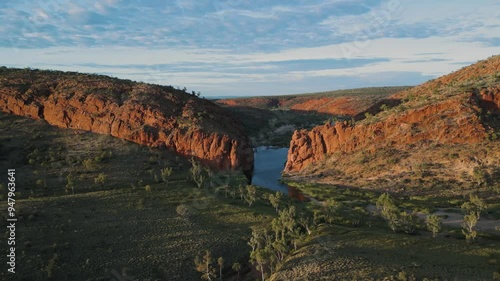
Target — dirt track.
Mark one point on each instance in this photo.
(455, 219)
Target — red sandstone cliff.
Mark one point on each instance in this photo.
(147, 114)
(460, 108)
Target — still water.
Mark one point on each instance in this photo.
(269, 162)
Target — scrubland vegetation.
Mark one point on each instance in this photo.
(92, 206)
(366, 235)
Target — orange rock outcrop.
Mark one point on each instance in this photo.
(447, 110)
(151, 115)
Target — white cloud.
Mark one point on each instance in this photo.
(401, 55)
(243, 38)
(392, 48)
(40, 14)
(246, 13)
(74, 9)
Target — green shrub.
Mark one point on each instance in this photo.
(166, 173)
(408, 222)
(433, 224)
(70, 183)
(388, 210)
(251, 195)
(100, 179)
(51, 266)
(89, 164)
(140, 204)
(183, 211)
(468, 225)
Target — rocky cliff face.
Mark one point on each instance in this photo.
(490, 99)
(446, 122)
(460, 108)
(146, 114)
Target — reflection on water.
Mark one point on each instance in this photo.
(269, 162)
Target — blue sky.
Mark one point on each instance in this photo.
(243, 47)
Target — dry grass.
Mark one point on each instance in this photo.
(340, 253)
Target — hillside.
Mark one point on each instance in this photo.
(93, 207)
(442, 133)
(153, 115)
(340, 102)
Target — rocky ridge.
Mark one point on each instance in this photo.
(461, 108)
(340, 102)
(147, 114)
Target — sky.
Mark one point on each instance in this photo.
(252, 47)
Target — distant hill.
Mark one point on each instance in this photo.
(442, 133)
(153, 115)
(340, 102)
(221, 97)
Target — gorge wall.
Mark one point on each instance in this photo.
(152, 115)
(460, 108)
